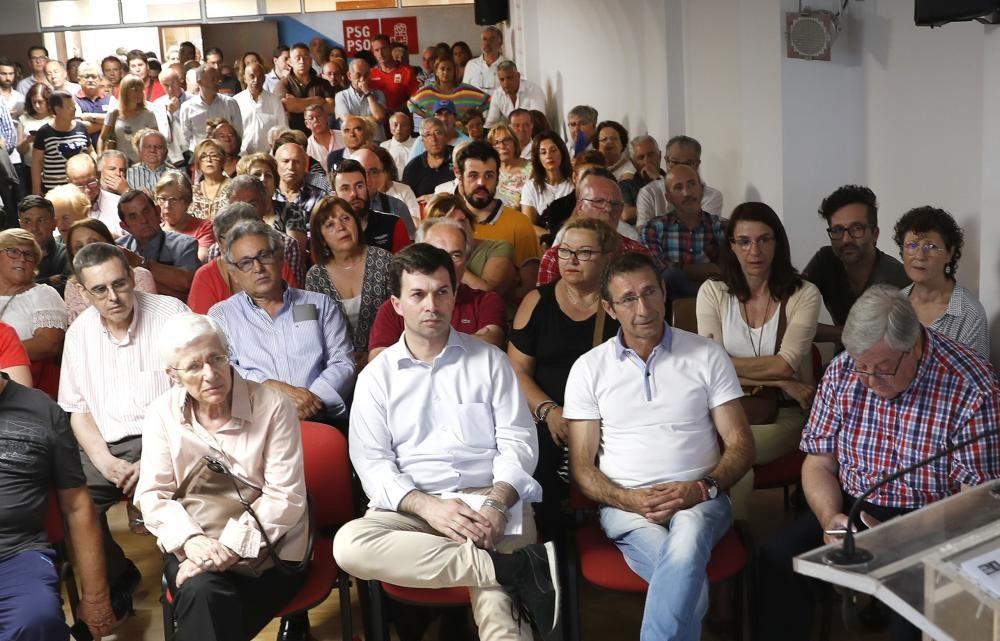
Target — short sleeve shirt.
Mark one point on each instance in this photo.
(827, 273)
(315, 87)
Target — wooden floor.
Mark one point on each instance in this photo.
(606, 615)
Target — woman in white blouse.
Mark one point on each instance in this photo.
(743, 308)
(35, 311)
(551, 173)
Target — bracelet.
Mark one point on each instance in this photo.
(545, 412)
(498, 506)
(704, 490)
(540, 405)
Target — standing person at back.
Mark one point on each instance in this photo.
(852, 263)
(57, 142)
(302, 87)
(482, 71)
(397, 81)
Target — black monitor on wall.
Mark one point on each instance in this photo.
(934, 13)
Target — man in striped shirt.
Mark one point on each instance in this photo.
(152, 146)
(110, 372)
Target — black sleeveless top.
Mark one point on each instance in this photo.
(555, 341)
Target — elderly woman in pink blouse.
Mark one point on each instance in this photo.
(224, 582)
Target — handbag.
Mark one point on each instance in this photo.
(760, 402)
(211, 494)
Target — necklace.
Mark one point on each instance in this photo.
(760, 342)
(353, 264)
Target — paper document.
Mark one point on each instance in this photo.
(515, 515)
(984, 571)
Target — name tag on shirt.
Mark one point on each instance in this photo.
(305, 312)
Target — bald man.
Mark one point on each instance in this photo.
(687, 240)
(261, 110)
(356, 133)
(360, 99)
(292, 186)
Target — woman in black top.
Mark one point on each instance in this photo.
(555, 325)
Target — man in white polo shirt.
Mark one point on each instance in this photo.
(654, 401)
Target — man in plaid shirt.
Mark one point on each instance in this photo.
(899, 394)
(686, 240)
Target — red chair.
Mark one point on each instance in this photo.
(457, 597)
(602, 564)
(328, 481)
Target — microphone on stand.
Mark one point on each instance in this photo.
(849, 553)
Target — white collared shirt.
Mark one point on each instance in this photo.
(259, 116)
(170, 126)
(458, 422)
(106, 211)
(529, 96)
(655, 416)
(195, 114)
(114, 381)
(479, 74)
(400, 152)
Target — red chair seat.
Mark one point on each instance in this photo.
(602, 563)
(423, 596)
(322, 577)
(779, 472)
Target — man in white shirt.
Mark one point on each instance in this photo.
(13, 98)
(110, 373)
(279, 68)
(56, 74)
(81, 170)
(261, 110)
(652, 200)
(209, 103)
(437, 415)
(37, 56)
(401, 143)
(167, 108)
(513, 93)
(320, 52)
(656, 401)
(323, 141)
(481, 71)
(524, 129)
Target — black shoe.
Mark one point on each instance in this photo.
(122, 590)
(536, 586)
(294, 628)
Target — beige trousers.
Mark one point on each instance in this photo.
(771, 441)
(405, 550)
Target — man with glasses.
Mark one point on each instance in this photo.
(37, 57)
(657, 402)
(899, 394)
(598, 196)
(81, 170)
(110, 373)
(91, 100)
(687, 239)
(289, 339)
(433, 165)
(852, 263)
(37, 216)
(152, 147)
(171, 257)
(652, 200)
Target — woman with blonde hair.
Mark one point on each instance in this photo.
(490, 265)
(70, 205)
(514, 170)
(130, 116)
(211, 191)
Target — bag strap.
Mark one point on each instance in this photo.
(782, 326)
(599, 326)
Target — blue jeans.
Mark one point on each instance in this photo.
(672, 559)
(29, 598)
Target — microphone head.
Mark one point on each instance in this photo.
(841, 557)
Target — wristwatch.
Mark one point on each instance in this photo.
(712, 487)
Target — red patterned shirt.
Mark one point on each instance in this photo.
(953, 396)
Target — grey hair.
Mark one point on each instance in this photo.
(432, 121)
(444, 221)
(180, 330)
(88, 66)
(246, 181)
(110, 153)
(495, 29)
(507, 65)
(96, 254)
(881, 313)
(638, 140)
(176, 180)
(227, 218)
(245, 228)
(586, 112)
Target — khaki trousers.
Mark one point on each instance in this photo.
(405, 550)
(772, 441)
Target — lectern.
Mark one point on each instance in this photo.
(939, 567)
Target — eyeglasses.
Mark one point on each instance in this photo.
(646, 294)
(119, 286)
(215, 157)
(39, 58)
(604, 203)
(882, 376)
(743, 243)
(266, 257)
(857, 230)
(582, 255)
(168, 200)
(90, 184)
(913, 247)
(499, 142)
(16, 252)
(215, 361)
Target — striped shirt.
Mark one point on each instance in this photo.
(953, 396)
(466, 98)
(963, 321)
(7, 129)
(139, 176)
(115, 380)
(306, 344)
(57, 147)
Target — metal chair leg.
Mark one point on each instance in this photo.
(346, 615)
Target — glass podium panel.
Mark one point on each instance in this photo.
(939, 566)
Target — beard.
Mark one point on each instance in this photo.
(480, 198)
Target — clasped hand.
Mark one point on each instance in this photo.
(660, 502)
(204, 554)
(459, 522)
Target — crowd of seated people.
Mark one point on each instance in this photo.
(204, 251)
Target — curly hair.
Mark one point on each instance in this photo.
(921, 220)
(850, 195)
